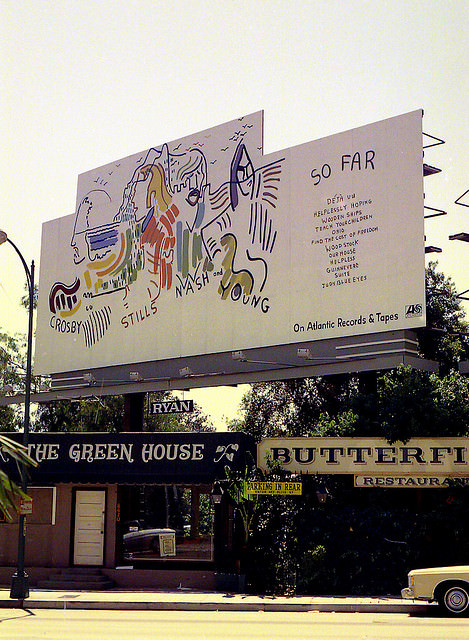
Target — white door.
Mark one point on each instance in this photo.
(89, 527)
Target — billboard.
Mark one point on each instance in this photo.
(205, 245)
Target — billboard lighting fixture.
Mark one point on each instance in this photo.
(186, 372)
(462, 295)
(432, 249)
(438, 212)
(460, 236)
(239, 356)
(429, 171)
(135, 376)
(89, 378)
(305, 354)
(432, 144)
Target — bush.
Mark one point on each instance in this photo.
(360, 542)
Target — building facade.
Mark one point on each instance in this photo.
(138, 506)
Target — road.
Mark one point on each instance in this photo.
(66, 624)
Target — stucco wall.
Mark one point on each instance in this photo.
(50, 545)
(46, 544)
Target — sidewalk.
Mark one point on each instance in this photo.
(210, 601)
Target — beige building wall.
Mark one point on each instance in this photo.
(49, 530)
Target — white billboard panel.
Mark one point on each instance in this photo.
(204, 245)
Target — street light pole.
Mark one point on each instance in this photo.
(20, 580)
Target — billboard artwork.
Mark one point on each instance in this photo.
(205, 245)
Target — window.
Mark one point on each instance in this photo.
(166, 522)
(44, 503)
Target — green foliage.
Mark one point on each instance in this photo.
(25, 297)
(87, 414)
(290, 407)
(361, 541)
(12, 362)
(413, 403)
(343, 424)
(274, 547)
(442, 341)
(13, 378)
(313, 565)
(182, 509)
(405, 403)
(9, 490)
(205, 514)
(236, 488)
(12, 371)
(9, 420)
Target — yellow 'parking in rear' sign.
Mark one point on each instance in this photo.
(274, 488)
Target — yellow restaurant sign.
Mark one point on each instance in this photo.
(274, 488)
(447, 457)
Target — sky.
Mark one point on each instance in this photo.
(84, 83)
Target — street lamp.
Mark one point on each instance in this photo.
(321, 494)
(217, 493)
(20, 581)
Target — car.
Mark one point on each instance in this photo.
(449, 586)
(140, 539)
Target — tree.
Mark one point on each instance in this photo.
(13, 368)
(12, 373)
(25, 298)
(290, 407)
(414, 403)
(443, 340)
(86, 414)
(406, 403)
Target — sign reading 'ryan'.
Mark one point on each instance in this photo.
(172, 406)
(435, 456)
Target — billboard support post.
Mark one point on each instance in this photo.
(133, 411)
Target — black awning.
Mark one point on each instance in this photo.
(133, 457)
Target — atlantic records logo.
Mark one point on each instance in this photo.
(413, 311)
